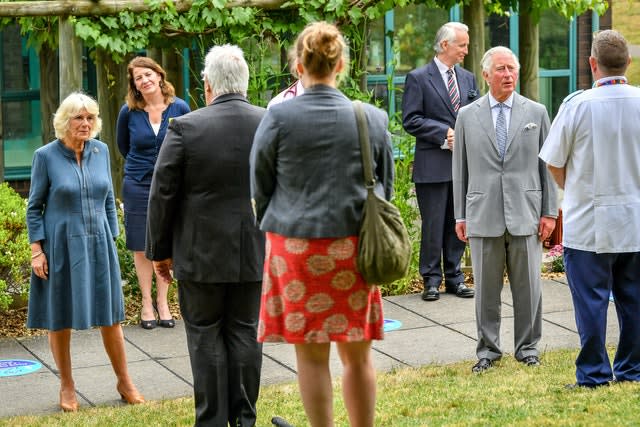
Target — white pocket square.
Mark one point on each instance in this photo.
(530, 126)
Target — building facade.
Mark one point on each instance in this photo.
(399, 42)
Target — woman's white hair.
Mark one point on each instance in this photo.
(487, 59)
(226, 70)
(70, 107)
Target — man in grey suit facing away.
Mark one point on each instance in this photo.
(505, 205)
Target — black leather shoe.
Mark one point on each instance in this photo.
(482, 365)
(430, 293)
(531, 360)
(280, 422)
(460, 290)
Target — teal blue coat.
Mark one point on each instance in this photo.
(72, 212)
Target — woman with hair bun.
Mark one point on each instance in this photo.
(308, 191)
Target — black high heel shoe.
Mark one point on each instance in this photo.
(148, 324)
(164, 323)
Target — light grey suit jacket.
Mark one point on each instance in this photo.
(492, 195)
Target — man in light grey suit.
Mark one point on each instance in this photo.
(505, 205)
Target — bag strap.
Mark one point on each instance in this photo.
(365, 148)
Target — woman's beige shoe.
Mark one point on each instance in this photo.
(68, 403)
(132, 397)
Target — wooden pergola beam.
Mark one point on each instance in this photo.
(17, 9)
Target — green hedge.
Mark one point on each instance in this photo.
(15, 256)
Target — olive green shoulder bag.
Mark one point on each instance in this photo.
(384, 248)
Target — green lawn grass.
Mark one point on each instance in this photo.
(508, 395)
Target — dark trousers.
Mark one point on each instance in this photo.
(439, 246)
(221, 323)
(591, 277)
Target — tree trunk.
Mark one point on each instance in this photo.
(112, 89)
(155, 53)
(1, 146)
(172, 64)
(70, 59)
(474, 18)
(529, 46)
(49, 95)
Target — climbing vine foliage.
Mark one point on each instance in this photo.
(164, 26)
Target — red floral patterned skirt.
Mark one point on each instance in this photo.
(312, 292)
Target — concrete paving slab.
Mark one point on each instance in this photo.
(11, 349)
(31, 394)
(424, 346)
(557, 337)
(179, 366)
(159, 343)
(274, 372)
(393, 309)
(448, 309)
(556, 297)
(98, 383)
(86, 349)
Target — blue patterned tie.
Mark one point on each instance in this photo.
(501, 130)
(453, 90)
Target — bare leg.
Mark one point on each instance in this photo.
(113, 340)
(144, 271)
(162, 288)
(314, 380)
(358, 382)
(60, 344)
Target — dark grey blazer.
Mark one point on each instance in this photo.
(306, 167)
(427, 113)
(199, 204)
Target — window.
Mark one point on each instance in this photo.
(20, 82)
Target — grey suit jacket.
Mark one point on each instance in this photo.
(306, 166)
(199, 204)
(492, 195)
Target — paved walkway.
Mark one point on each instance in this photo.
(438, 332)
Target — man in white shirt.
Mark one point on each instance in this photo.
(593, 152)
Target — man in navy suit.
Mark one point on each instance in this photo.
(433, 95)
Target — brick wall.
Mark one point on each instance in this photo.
(585, 35)
(21, 187)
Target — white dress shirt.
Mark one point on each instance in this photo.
(596, 137)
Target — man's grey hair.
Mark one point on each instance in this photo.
(487, 59)
(448, 32)
(226, 70)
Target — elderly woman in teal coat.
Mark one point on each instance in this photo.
(72, 223)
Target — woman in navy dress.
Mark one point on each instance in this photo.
(142, 125)
(72, 223)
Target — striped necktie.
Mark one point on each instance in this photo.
(453, 90)
(501, 129)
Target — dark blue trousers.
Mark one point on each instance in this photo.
(591, 277)
(440, 248)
